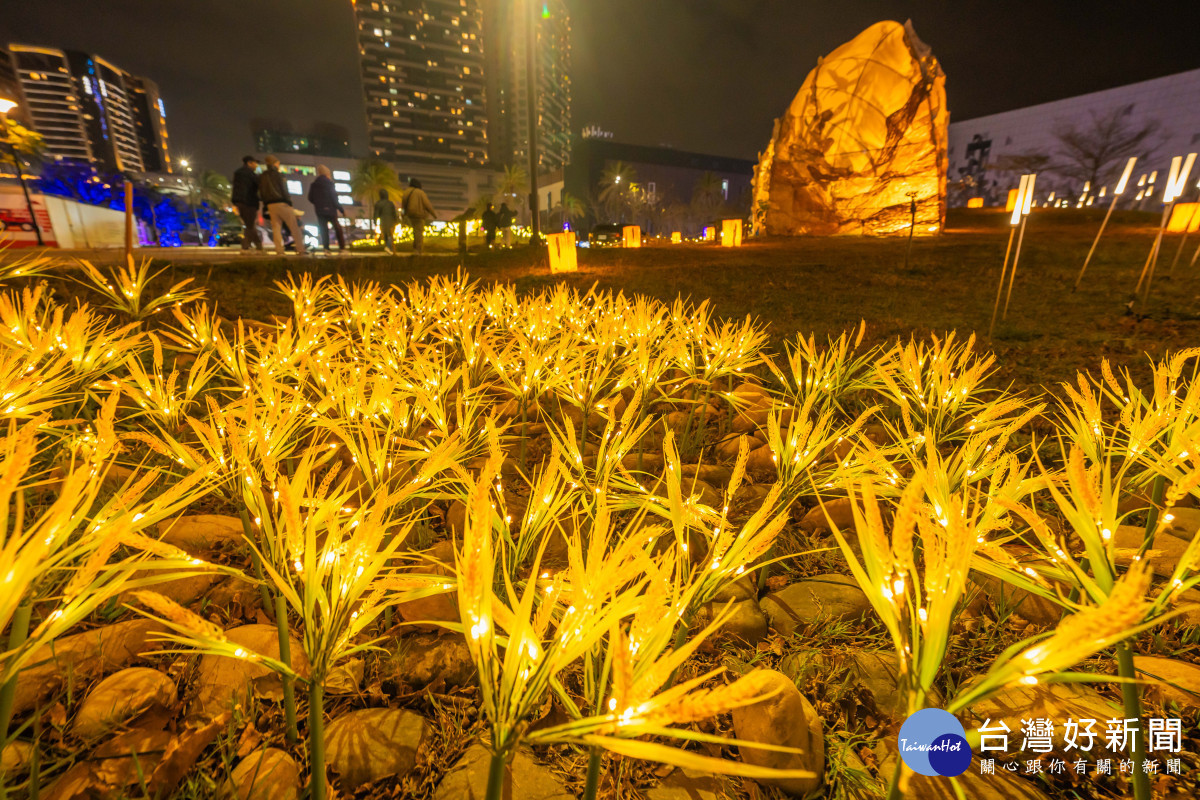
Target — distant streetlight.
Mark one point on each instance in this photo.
(191, 187)
(6, 106)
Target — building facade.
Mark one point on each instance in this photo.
(150, 118)
(319, 139)
(107, 113)
(51, 101)
(987, 154)
(89, 110)
(668, 177)
(423, 83)
(506, 40)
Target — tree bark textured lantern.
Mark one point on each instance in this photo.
(865, 133)
(563, 257)
(631, 236)
(731, 233)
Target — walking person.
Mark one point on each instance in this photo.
(505, 219)
(323, 196)
(385, 215)
(419, 211)
(489, 225)
(244, 195)
(272, 190)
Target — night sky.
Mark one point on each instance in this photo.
(704, 75)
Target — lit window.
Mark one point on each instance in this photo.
(294, 187)
(341, 175)
(345, 200)
(341, 187)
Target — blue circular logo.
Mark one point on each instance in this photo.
(932, 742)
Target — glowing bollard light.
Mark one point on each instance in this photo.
(676, 237)
(975, 202)
(1176, 179)
(1021, 206)
(563, 256)
(710, 234)
(631, 236)
(1120, 188)
(731, 233)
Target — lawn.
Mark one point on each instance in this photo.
(826, 285)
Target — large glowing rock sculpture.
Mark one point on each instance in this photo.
(865, 136)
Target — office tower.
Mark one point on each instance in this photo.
(107, 113)
(150, 119)
(506, 34)
(51, 101)
(422, 71)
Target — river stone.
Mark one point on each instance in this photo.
(730, 448)
(15, 758)
(223, 682)
(785, 718)
(744, 588)
(269, 774)
(838, 511)
(1026, 605)
(1167, 550)
(762, 461)
(372, 743)
(441, 607)
(830, 596)
(199, 534)
(428, 657)
(747, 624)
(121, 697)
(1184, 523)
(1180, 680)
(82, 657)
(524, 779)
(685, 784)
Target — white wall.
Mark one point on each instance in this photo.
(1174, 101)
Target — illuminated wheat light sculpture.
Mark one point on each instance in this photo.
(1121, 184)
(1193, 210)
(1020, 211)
(1175, 181)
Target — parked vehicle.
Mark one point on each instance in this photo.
(606, 235)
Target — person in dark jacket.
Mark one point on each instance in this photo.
(489, 225)
(385, 214)
(244, 195)
(419, 211)
(272, 190)
(323, 196)
(505, 220)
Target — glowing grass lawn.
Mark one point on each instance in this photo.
(571, 432)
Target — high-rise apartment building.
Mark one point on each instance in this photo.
(87, 109)
(444, 80)
(52, 101)
(150, 117)
(507, 26)
(423, 82)
(107, 113)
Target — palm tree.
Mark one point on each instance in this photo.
(210, 189)
(27, 143)
(707, 198)
(515, 183)
(617, 187)
(568, 209)
(370, 176)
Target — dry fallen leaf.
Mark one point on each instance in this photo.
(181, 755)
